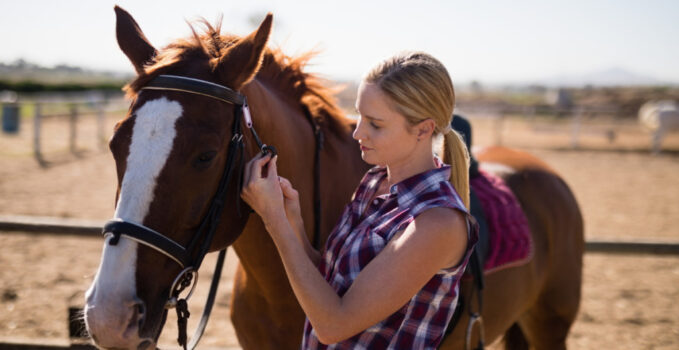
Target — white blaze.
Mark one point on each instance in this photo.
(152, 139)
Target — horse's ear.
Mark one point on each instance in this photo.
(246, 55)
(132, 40)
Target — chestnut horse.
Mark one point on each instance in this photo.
(171, 151)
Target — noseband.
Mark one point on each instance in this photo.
(190, 258)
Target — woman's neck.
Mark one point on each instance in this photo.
(419, 161)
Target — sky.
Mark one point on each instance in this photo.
(487, 41)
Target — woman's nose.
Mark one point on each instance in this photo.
(358, 132)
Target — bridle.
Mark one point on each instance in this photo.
(189, 258)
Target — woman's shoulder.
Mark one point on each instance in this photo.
(437, 195)
(443, 218)
(446, 226)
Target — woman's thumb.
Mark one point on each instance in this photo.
(273, 167)
(286, 186)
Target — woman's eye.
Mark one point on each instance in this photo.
(374, 125)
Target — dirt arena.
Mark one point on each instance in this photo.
(629, 301)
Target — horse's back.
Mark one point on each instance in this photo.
(540, 298)
(513, 159)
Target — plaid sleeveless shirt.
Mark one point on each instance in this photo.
(364, 229)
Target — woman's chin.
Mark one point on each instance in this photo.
(368, 158)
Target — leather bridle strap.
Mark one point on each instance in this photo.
(195, 86)
(147, 237)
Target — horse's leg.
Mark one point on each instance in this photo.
(507, 294)
(547, 321)
(546, 324)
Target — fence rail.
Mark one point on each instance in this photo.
(77, 227)
(43, 345)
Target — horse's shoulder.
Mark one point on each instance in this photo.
(512, 159)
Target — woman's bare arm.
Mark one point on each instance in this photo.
(435, 240)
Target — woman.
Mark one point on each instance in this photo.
(391, 267)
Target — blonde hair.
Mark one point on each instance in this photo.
(420, 88)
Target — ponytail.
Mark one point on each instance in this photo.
(456, 154)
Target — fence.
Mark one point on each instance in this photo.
(570, 123)
(71, 110)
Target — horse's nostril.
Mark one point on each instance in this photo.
(145, 345)
(141, 309)
(140, 313)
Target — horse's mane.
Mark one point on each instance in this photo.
(285, 72)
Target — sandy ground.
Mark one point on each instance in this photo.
(629, 301)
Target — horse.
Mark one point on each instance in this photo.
(172, 154)
(659, 117)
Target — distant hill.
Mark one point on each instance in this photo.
(605, 77)
(22, 70)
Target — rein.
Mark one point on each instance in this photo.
(190, 258)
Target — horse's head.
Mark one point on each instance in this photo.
(170, 153)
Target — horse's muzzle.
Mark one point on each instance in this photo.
(114, 324)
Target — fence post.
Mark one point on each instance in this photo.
(73, 121)
(575, 128)
(101, 118)
(499, 125)
(37, 121)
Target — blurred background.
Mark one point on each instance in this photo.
(565, 81)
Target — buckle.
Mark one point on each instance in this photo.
(187, 278)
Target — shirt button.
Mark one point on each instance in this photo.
(376, 202)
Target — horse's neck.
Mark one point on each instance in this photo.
(283, 124)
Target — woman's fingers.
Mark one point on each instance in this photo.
(253, 168)
(272, 170)
(262, 192)
(246, 173)
(259, 164)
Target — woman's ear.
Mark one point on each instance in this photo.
(425, 128)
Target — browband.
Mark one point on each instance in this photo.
(195, 86)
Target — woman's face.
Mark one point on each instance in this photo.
(383, 133)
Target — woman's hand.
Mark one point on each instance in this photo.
(262, 189)
(291, 199)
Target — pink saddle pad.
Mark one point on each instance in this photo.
(510, 242)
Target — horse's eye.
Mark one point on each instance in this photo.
(205, 158)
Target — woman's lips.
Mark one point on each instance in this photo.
(363, 148)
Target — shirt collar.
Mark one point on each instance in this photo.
(411, 187)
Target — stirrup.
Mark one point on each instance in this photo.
(474, 319)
